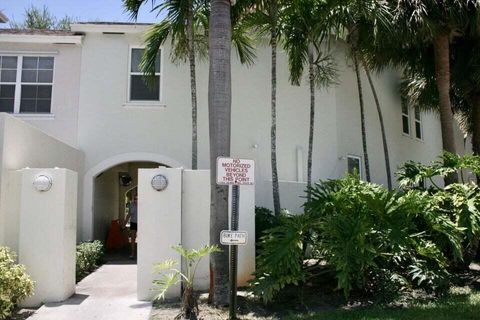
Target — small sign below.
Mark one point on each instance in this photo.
(231, 171)
(230, 238)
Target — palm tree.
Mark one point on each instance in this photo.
(219, 105)
(186, 23)
(357, 19)
(263, 18)
(304, 31)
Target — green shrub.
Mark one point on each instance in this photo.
(264, 220)
(15, 284)
(89, 257)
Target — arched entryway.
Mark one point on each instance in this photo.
(99, 206)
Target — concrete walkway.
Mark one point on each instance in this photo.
(110, 293)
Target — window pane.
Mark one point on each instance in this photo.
(353, 165)
(136, 58)
(29, 76)
(29, 92)
(140, 91)
(9, 63)
(417, 114)
(6, 105)
(30, 63)
(44, 92)
(406, 128)
(404, 108)
(27, 105)
(43, 106)
(8, 76)
(418, 130)
(45, 63)
(45, 76)
(7, 91)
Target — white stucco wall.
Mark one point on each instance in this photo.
(47, 234)
(23, 145)
(62, 123)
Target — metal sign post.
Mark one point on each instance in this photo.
(234, 172)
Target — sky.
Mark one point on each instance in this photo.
(81, 10)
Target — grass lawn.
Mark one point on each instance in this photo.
(460, 303)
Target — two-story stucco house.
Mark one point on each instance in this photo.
(83, 88)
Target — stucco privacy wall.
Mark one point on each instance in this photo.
(22, 146)
(181, 214)
(47, 234)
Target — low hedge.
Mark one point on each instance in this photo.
(89, 257)
(15, 284)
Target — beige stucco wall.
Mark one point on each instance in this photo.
(23, 145)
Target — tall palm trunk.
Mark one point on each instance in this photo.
(219, 106)
(193, 84)
(476, 124)
(273, 130)
(311, 77)
(441, 47)
(362, 115)
(382, 126)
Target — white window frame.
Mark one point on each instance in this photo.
(419, 122)
(359, 158)
(18, 84)
(146, 103)
(407, 115)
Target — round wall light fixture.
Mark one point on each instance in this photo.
(42, 183)
(159, 182)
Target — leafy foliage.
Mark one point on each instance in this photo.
(375, 240)
(89, 257)
(36, 18)
(15, 284)
(191, 258)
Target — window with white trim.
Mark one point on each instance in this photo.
(405, 118)
(140, 88)
(354, 165)
(26, 84)
(418, 124)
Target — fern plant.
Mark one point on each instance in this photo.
(191, 259)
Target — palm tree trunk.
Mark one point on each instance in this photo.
(311, 76)
(273, 130)
(219, 106)
(193, 85)
(476, 124)
(382, 127)
(441, 47)
(362, 116)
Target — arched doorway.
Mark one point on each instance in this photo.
(93, 190)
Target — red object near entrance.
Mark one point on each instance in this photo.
(116, 238)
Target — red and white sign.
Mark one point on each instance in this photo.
(231, 171)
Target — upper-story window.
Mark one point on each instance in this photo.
(26, 84)
(418, 124)
(405, 118)
(140, 89)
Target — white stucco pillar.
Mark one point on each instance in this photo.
(47, 234)
(159, 227)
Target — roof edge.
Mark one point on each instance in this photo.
(110, 27)
(3, 17)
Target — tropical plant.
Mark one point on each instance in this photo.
(372, 239)
(89, 256)
(303, 24)
(460, 201)
(36, 18)
(191, 259)
(15, 284)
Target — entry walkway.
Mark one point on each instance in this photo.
(110, 293)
